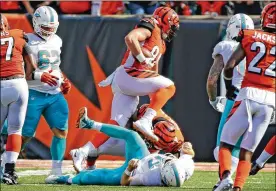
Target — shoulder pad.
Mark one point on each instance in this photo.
(147, 23)
(58, 40)
(223, 48)
(219, 48)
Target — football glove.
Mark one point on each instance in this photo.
(218, 104)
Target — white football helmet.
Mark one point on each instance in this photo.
(45, 22)
(236, 23)
(173, 173)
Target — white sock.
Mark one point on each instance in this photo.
(11, 157)
(97, 126)
(234, 165)
(149, 114)
(56, 167)
(88, 149)
(263, 158)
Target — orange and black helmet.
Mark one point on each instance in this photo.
(168, 21)
(268, 17)
(165, 131)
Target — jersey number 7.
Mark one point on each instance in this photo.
(10, 42)
(253, 65)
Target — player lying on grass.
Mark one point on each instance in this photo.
(145, 168)
(167, 130)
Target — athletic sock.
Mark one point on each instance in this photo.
(263, 158)
(242, 173)
(268, 152)
(149, 114)
(57, 149)
(13, 147)
(160, 97)
(224, 160)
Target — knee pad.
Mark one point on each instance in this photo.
(216, 153)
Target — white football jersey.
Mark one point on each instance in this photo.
(225, 49)
(47, 55)
(148, 172)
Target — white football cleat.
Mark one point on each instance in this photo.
(54, 179)
(225, 184)
(216, 185)
(144, 126)
(78, 157)
(51, 179)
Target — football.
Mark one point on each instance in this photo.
(146, 52)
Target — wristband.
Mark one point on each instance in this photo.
(227, 78)
(127, 172)
(140, 57)
(37, 75)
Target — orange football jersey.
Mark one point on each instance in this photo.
(155, 44)
(12, 44)
(259, 48)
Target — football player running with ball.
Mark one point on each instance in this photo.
(138, 76)
(255, 102)
(221, 54)
(151, 170)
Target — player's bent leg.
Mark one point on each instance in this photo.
(267, 153)
(258, 124)
(145, 83)
(157, 101)
(90, 151)
(123, 107)
(161, 96)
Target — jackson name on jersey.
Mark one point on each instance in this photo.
(47, 54)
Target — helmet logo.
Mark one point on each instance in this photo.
(37, 15)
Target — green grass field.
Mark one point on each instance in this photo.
(200, 181)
